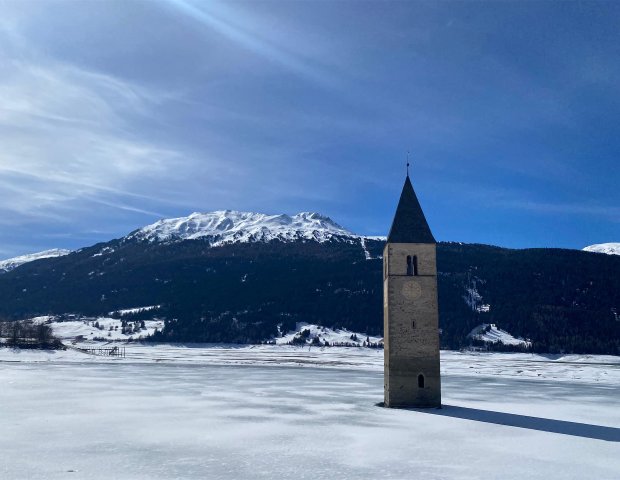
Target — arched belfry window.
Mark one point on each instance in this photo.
(412, 265)
(420, 381)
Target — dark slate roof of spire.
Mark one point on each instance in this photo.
(409, 225)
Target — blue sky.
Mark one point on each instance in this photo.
(115, 114)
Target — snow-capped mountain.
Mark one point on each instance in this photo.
(608, 248)
(11, 263)
(229, 226)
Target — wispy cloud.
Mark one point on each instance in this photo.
(239, 27)
(67, 132)
(125, 207)
(114, 114)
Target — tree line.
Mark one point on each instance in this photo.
(28, 334)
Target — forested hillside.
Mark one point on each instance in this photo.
(563, 300)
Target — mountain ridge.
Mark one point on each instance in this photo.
(246, 286)
(14, 262)
(223, 227)
(610, 248)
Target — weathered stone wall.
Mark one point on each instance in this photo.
(411, 327)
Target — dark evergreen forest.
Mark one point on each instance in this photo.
(562, 300)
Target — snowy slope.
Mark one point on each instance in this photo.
(489, 333)
(325, 334)
(11, 263)
(130, 311)
(608, 248)
(473, 298)
(229, 226)
(106, 328)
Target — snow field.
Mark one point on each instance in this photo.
(175, 420)
(488, 332)
(326, 334)
(110, 329)
(587, 369)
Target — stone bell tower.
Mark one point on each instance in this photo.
(410, 311)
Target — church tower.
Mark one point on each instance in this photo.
(410, 311)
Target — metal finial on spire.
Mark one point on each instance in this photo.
(407, 162)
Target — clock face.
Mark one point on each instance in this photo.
(411, 290)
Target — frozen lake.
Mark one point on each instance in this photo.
(178, 412)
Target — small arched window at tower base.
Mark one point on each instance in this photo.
(420, 381)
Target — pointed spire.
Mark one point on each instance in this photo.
(407, 163)
(409, 225)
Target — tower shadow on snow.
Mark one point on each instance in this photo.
(584, 430)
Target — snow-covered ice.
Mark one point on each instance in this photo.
(196, 411)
